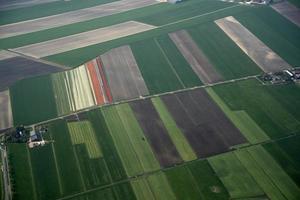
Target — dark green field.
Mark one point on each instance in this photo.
(28, 99)
(42, 10)
(184, 140)
(264, 104)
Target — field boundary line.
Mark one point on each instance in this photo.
(169, 62)
(146, 174)
(194, 181)
(130, 139)
(56, 166)
(201, 15)
(145, 97)
(64, 67)
(79, 168)
(31, 174)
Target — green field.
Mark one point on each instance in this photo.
(259, 175)
(264, 104)
(295, 2)
(241, 120)
(78, 56)
(160, 187)
(277, 32)
(137, 138)
(130, 160)
(178, 62)
(75, 28)
(228, 59)
(182, 145)
(103, 153)
(88, 154)
(65, 158)
(35, 91)
(235, 177)
(209, 184)
(108, 148)
(42, 10)
(45, 172)
(183, 183)
(21, 176)
(187, 10)
(278, 176)
(285, 152)
(158, 74)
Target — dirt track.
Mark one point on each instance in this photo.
(123, 74)
(72, 17)
(206, 128)
(5, 110)
(80, 40)
(195, 57)
(157, 134)
(289, 11)
(262, 55)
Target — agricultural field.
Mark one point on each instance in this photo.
(265, 105)
(145, 100)
(115, 152)
(17, 68)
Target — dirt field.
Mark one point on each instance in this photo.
(72, 17)
(289, 11)
(205, 126)
(80, 40)
(195, 57)
(262, 55)
(17, 68)
(5, 110)
(13, 4)
(123, 74)
(157, 134)
(6, 54)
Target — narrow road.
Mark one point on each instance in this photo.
(146, 97)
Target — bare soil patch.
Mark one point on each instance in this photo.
(261, 54)
(195, 57)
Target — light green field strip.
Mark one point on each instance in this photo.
(137, 138)
(83, 133)
(279, 177)
(259, 175)
(160, 187)
(234, 176)
(183, 147)
(61, 93)
(122, 142)
(142, 190)
(72, 90)
(82, 89)
(241, 120)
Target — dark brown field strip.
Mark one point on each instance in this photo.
(17, 68)
(195, 57)
(289, 11)
(203, 138)
(206, 127)
(124, 77)
(153, 128)
(224, 126)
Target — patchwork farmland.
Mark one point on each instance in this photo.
(142, 99)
